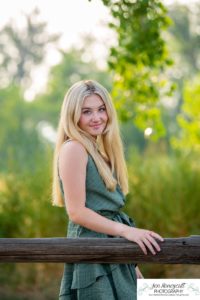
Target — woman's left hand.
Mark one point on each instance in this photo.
(138, 273)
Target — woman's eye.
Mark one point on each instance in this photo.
(102, 109)
(86, 112)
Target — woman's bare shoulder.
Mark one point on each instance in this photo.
(73, 150)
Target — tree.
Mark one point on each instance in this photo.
(183, 40)
(185, 37)
(22, 50)
(139, 60)
(189, 120)
(20, 142)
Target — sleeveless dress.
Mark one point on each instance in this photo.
(83, 281)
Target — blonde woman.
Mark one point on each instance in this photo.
(90, 180)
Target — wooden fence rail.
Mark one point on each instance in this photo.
(184, 250)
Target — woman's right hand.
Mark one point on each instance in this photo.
(146, 239)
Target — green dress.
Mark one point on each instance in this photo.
(83, 281)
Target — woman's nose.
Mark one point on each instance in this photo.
(95, 117)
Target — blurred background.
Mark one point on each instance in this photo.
(147, 55)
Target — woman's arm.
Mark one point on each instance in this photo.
(72, 166)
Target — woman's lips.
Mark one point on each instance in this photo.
(95, 125)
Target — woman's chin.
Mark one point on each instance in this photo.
(96, 132)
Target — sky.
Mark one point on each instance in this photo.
(68, 16)
(71, 18)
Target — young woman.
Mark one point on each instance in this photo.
(90, 179)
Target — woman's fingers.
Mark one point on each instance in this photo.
(156, 235)
(154, 242)
(149, 245)
(142, 246)
(148, 241)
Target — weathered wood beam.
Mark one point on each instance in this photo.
(184, 250)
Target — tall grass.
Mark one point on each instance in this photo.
(26, 211)
(165, 193)
(165, 197)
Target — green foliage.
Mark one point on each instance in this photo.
(25, 189)
(185, 38)
(189, 119)
(25, 208)
(183, 42)
(164, 197)
(160, 188)
(25, 179)
(18, 137)
(139, 60)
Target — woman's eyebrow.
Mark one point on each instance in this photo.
(102, 105)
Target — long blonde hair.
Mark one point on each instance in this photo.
(109, 143)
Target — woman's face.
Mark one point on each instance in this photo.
(93, 119)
